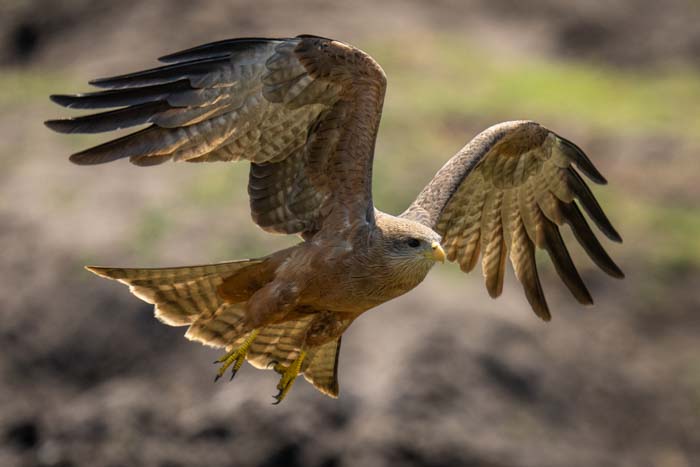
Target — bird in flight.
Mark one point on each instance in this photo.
(304, 112)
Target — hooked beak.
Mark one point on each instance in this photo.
(438, 252)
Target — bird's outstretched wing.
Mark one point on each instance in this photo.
(304, 111)
(507, 191)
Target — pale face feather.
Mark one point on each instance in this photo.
(408, 249)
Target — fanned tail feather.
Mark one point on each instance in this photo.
(211, 300)
(181, 295)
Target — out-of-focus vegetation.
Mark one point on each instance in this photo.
(446, 78)
(21, 87)
(666, 236)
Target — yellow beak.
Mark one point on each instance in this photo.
(438, 252)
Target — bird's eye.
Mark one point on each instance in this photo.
(413, 242)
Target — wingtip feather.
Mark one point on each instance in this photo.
(88, 158)
(64, 100)
(615, 236)
(582, 162)
(101, 82)
(58, 125)
(220, 48)
(493, 289)
(65, 126)
(105, 272)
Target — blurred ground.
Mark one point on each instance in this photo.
(88, 377)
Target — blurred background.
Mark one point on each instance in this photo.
(443, 376)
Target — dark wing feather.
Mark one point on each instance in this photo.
(134, 115)
(223, 48)
(304, 111)
(197, 72)
(122, 97)
(509, 190)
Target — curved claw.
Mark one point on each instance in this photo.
(288, 376)
(272, 364)
(235, 357)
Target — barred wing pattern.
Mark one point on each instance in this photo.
(181, 295)
(507, 191)
(304, 111)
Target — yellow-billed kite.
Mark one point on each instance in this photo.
(304, 112)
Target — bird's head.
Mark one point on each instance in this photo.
(409, 244)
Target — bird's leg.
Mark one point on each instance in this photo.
(325, 327)
(235, 357)
(289, 375)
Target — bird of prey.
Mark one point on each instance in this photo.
(304, 112)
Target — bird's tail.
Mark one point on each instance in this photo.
(184, 295)
(211, 300)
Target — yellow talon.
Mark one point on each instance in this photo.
(235, 357)
(289, 375)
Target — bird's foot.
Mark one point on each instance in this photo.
(289, 375)
(236, 357)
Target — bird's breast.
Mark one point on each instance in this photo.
(346, 288)
(348, 279)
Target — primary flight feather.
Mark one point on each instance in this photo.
(304, 112)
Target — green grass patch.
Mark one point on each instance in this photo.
(661, 234)
(22, 86)
(446, 78)
(217, 184)
(151, 229)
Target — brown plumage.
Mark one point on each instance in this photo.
(304, 112)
